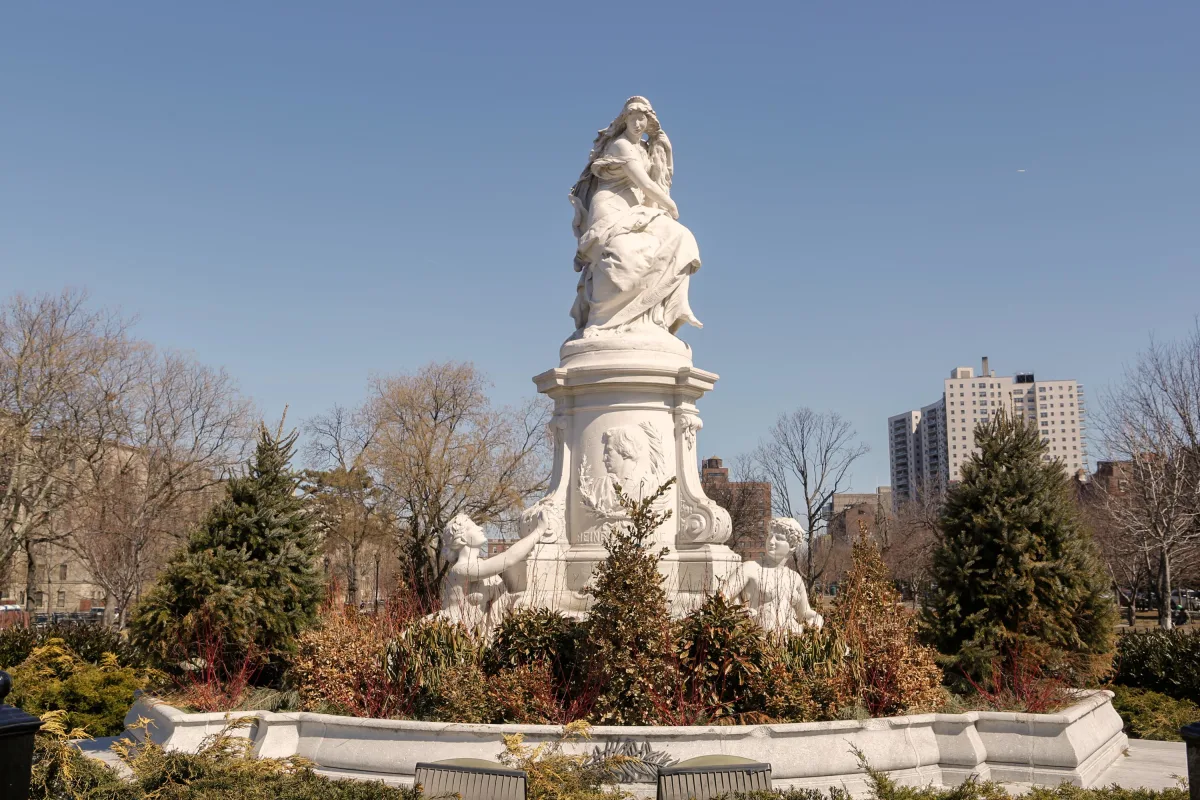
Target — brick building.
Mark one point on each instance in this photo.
(748, 504)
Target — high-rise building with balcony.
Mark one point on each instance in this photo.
(929, 447)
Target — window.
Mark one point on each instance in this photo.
(61, 600)
(1041, 388)
(62, 572)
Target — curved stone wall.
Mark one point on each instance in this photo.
(1076, 745)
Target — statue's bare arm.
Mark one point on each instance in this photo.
(743, 584)
(487, 567)
(800, 605)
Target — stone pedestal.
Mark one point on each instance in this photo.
(624, 413)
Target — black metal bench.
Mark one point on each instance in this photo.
(707, 777)
(471, 778)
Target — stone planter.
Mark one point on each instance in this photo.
(1076, 745)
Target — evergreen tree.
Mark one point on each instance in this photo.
(248, 581)
(1016, 575)
(629, 628)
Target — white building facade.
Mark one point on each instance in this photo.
(929, 447)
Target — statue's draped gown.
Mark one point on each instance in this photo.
(635, 260)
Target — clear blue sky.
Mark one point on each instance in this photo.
(309, 193)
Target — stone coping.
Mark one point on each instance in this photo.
(1075, 745)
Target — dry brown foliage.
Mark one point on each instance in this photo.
(888, 669)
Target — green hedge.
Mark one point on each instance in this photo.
(1161, 661)
(89, 641)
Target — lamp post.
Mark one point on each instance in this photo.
(16, 746)
(377, 583)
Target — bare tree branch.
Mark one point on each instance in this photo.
(807, 456)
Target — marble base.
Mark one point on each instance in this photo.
(624, 414)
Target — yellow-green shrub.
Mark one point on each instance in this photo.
(96, 697)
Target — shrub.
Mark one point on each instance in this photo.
(247, 579)
(225, 767)
(805, 681)
(62, 772)
(1151, 715)
(1018, 682)
(1014, 568)
(1162, 661)
(340, 666)
(629, 629)
(436, 668)
(888, 670)
(723, 658)
(524, 695)
(16, 643)
(89, 641)
(95, 697)
(530, 636)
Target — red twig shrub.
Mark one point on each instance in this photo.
(1018, 682)
(213, 675)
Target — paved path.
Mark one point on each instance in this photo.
(1149, 765)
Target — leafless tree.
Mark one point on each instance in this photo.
(1127, 561)
(346, 500)
(176, 431)
(61, 368)
(807, 457)
(1151, 421)
(440, 448)
(906, 540)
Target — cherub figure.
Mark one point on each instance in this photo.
(773, 592)
(473, 592)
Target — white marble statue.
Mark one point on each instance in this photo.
(773, 592)
(633, 257)
(473, 592)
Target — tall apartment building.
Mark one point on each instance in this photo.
(929, 447)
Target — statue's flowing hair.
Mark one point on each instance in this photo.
(657, 145)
